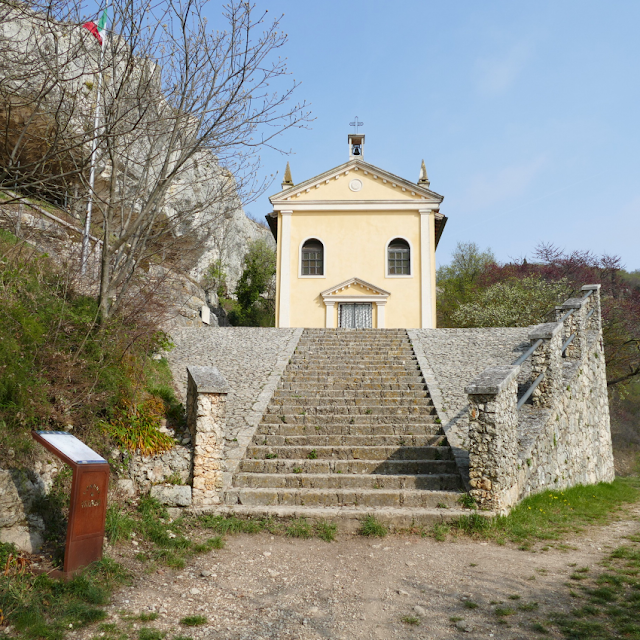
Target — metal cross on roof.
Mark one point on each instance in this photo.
(356, 124)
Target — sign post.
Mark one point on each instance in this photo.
(88, 508)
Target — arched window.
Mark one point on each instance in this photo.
(399, 258)
(312, 258)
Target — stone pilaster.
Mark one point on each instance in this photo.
(206, 402)
(593, 302)
(547, 359)
(575, 323)
(493, 439)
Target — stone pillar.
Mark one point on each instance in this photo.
(329, 316)
(206, 400)
(493, 438)
(284, 312)
(380, 313)
(547, 359)
(426, 250)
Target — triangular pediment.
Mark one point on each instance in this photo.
(355, 286)
(356, 180)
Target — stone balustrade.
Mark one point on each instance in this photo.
(562, 437)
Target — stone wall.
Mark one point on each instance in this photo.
(562, 437)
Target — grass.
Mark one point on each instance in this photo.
(440, 531)
(119, 525)
(148, 617)
(469, 604)
(551, 515)
(607, 602)
(40, 607)
(372, 527)
(297, 528)
(146, 633)
(193, 621)
(411, 620)
(167, 542)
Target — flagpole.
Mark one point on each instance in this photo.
(92, 173)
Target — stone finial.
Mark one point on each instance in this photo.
(287, 182)
(424, 179)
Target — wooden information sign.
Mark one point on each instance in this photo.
(88, 508)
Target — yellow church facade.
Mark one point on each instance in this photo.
(356, 248)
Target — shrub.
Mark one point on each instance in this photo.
(371, 527)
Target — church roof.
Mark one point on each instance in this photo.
(419, 189)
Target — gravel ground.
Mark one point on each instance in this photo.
(266, 587)
(456, 356)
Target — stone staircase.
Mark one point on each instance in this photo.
(351, 430)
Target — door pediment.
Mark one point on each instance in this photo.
(355, 287)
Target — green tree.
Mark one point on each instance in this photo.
(255, 291)
(216, 278)
(457, 282)
(513, 303)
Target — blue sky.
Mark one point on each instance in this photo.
(526, 113)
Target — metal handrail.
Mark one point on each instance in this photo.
(527, 353)
(537, 343)
(530, 390)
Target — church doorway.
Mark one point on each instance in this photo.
(354, 315)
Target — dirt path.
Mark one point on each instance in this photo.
(262, 587)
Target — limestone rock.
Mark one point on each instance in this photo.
(172, 495)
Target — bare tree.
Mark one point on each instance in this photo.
(43, 62)
(185, 111)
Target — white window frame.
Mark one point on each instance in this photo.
(386, 259)
(324, 258)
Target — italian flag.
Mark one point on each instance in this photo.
(98, 29)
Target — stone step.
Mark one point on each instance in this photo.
(339, 440)
(341, 377)
(342, 497)
(357, 354)
(392, 467)
(351, 386)
(371, 452)
(429, 482)
(330, 394)
(341, 401)
(366, 407)
(337, 394)
(355, 367)
(312, 420)
(429, 429)
(367, 356)
(348, 519)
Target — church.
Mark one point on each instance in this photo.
(356, 248)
